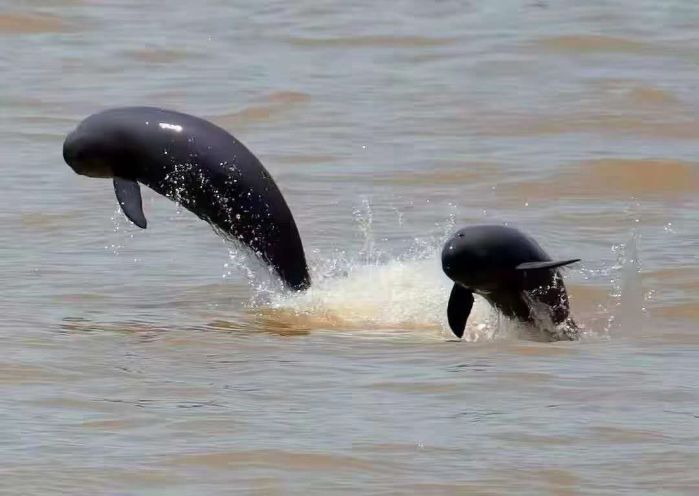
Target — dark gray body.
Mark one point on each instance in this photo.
(197, 164)
(507, 268)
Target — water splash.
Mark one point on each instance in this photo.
(399, 295)
(372, 291)
(259, 276)
(121, 235)
(364, 218)
(630, 313)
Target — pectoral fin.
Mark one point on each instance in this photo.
(128, 194)
(459, 308)
(550, 264)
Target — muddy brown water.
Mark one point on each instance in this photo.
(164, 362)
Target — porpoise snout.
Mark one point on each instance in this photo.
(450, 261)
(76, 153)
(69, 150)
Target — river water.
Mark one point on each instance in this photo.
(164, 362)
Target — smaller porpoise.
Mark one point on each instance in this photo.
(511, 271)
(199, 165)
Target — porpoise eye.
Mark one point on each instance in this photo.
(461, 235)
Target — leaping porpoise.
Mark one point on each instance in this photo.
(511, 271)
(199, 165)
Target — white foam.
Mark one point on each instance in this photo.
(396, 296)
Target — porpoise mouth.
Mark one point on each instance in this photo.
(95, 169)
(91, 168)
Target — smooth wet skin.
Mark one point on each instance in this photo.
(197, 164)
(510, 270)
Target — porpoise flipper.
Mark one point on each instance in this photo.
(549, 264)
(459, 308)
(128, 194)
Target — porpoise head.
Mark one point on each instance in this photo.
(491, 261)
(98, 151)
(87, 154)
(99, 148)
(477, 258)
